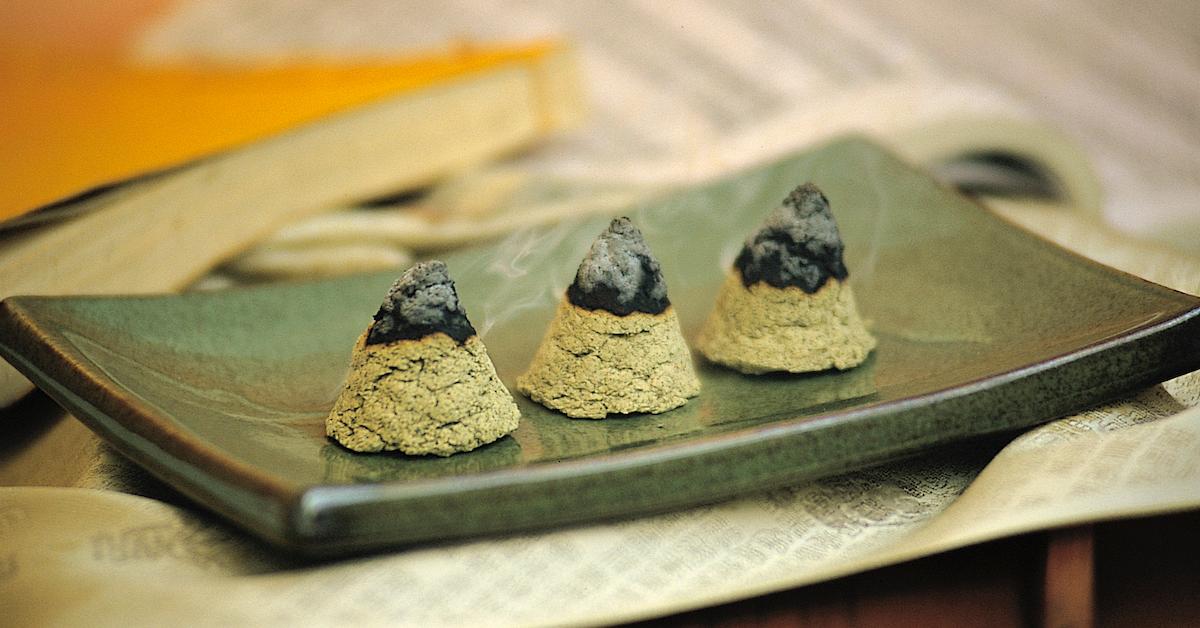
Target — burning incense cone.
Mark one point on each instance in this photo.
(614, 346)
(420, 379)
(786, 304)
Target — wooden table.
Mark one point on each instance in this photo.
(1139, 572)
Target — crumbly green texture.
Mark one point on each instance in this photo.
(425, 396)
(593, 363)
(761, 328)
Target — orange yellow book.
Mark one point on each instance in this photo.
(76, 118)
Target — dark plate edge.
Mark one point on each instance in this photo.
(309, 512)
(130, 426)
(1101, 372)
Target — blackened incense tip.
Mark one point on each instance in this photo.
(421, 302)
(797, 245)
(619, 274)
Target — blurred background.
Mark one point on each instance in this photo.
(681, 90)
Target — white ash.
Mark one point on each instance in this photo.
(619, 259)
(798, 244)
(422, 298)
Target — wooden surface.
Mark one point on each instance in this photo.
(1068, 583)
(1143, 572)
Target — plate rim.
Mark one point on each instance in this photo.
(296, 520)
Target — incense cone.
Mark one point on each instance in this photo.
(786, 304)
(614, 346)
(420, 380)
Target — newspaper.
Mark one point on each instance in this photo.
(75, 555)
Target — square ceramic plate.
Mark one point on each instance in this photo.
(982, 328)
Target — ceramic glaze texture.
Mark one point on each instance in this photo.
(981, 328)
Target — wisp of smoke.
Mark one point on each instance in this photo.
(513, 286)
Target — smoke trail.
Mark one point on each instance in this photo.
(530, 269)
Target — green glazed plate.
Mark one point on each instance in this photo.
(982, 328)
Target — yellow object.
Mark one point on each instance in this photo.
(70, 122)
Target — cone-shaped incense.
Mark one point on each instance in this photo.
(420, 379)
(614, 346)
(786, 304)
